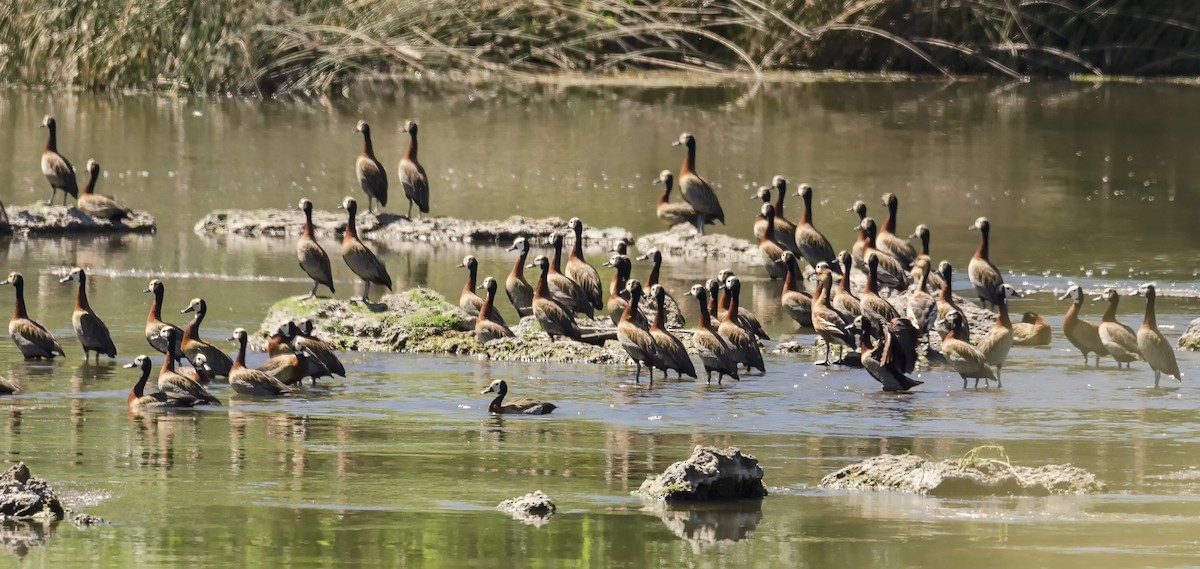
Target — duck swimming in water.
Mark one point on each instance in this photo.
(56, 167)
(580, 271)
(90, 329)
(154, 322)
(519, 291)
(138, 399)
(360, 258)
(695, 190)
(32, 339)
(192, 345)
(251, 381)
(96, 205)
(715, 353)
(176, 385)
(412, 174)
(1155, 348)
(371, 175)
(313, 259)
(520, 406)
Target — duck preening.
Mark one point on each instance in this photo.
(695, 190)
(313, 259)
(886, 362)
(32, 339)
(1155, 348)
(371, 175)
(412, 175)
(361, 259)
(1032, 330)
(154, 322)
(90, 329)
(1119, 339)
(97, 205)
(519, 406)
(715, 353)
(302, 337)
(57, 169)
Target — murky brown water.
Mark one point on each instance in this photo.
(399, 464)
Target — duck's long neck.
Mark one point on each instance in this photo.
(91, 185)
(789, 278)
(982, 252)
(351, 231)
(1150, 321)
(844, 285)
(471, 276)
(1073, 312)
(689, 161)
(1004, 319)
(806, 217)
(869, 235)
(556, 262)
(660, 314)
(577, 248)
(52, 141)
(495, 405)
(542, 290)
(81, 299)
(714, 302)
(240, 361)
(156, 305)
(308, 224)
(368, 148)
(19, 310)
(1110, 314)
(769, 234)
(412, 148)
(779, 202)
(889, 224)
(924, 279)
(519, 267)
(666, 195)
(654, 273)
(865, 345)
(734, 304)
(705, 318)
(486, 308)
(925, 243)
(192, 332)
(635, 298)
(726, 299)
(873, 279)
(139, 389)
(947, 292)
(172, 348)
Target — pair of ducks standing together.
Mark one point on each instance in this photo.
(61, 175)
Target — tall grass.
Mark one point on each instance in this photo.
(316, 45)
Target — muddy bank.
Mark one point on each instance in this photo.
(41, 219)
(390, 227)
(422, 321)
(1190, 339)
(709, 474)
(684, 242)
(534, 508)
(965, 477)
(24, 496)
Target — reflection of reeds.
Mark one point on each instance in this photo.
(315, 45)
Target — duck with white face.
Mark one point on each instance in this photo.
(1082, 334)
(1157, 351)
(519, 406)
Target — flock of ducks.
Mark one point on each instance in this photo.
(882, 335)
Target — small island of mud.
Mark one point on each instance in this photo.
(39, 219)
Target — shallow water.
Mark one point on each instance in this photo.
(400, 465)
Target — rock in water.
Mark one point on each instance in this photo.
(709, 474)
(534, 508)
(961, 478)
(22, 496)
(1190, 339)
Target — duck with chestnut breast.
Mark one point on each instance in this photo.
(57, 169)
(200, 373)
(616, 289)
(470, 302)
(636, 340)
(289, 368)
(313, 259)
(716, 355)
(580, 271)
(154, 322)
(1155, 348)
(519, 291)
(32, 339)
(985, 277)
(520, 406)
(785, 230)
(1032, 330)
(192, 345)
(892, 273)
(412, 174)
(96, 205)
(674, 213)
(743, 316)
(947, 305)
(795, 300)
(138, 399)
(811, 244)
(885, 361)
(828, 323)
(566, 290)
(674, 314)
(873, 305)
(371, 175)
(694, 189)
(671, 353)
(1084, 335)
(175, 384)
(289, 361)
(965, 359)
(745, 347)
(486, 327)
(934, 279)
(860, 243)
(318, 349)
(772, 251)
(555, 318)
(888, 241)
(996, 344)
(844, 300)
(90, 329)
(247, 381)
(361, 260)
(922, 306)
(1118, 339)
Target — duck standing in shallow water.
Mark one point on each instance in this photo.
(984, 275)
(996, 344)
(829, 324)
(844, 300)
(1155, 348)
(715, 353)
(519, 291)
(96, 205)
(371, 175)
(771, 250)
(883, 362)
(674, 314)
(922, 306)
(192, 345)
(138, 399)
(794, 299)
(319, 349)
(695, 190)
(874, 306)
(892, 273)
(487, 328)
(412, 174)
(90, 329)
(673, 213)
(470, 302)
(154, 322)
(361, 259)
(967, 360)
(1118, 339)
(671, 353)
(251, 381)
(56, 167)
(290, 367)
(888, 241)
(312, 256)
(922, 233)
(1032, 330)
(580, 271)
(520, 406)
(947, 305)
(811, 243)
(177, 385)
(32, 339)
(785, 230)
(1084, 335)
(635, 339)
(745, 346)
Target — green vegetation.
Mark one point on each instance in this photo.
(305, 46)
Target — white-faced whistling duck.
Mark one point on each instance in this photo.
(520, 406)
(412, 175)
(636, 340)
(795, 300)
(674, 314)
(580, 271)
(946, 305)
(785, 230)
(1084, 335)
(984, 275)
(566, 290)
(1155, 348)
(56, 167)
(200, 373)
(892, 273)
(811, 243)
(361, 259)
(771, 249)
(371, 175)
(32, 339)
(674, 213)
(882, 362)
(874, 306)
(922, 306)
(671, 353)
(520, 292)
(743, 316)
(468, 300)
(138, 398)
(829, 324)
(176, 385)
(617, 299)
(90, 329)
(247, 381)
(192, 345)
(860, 243)
(1032, 330)
(887, 240)
(1118, 339)
(319, 349)
(996, 344)
(555, 318)
(745, 346)
(715, 353)
(486, 327)
(694, 189)
(154, 321)
(96, 205)
(844, 300)
(289, 368)
(312, 256)
(922, 233)
(967, 360)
